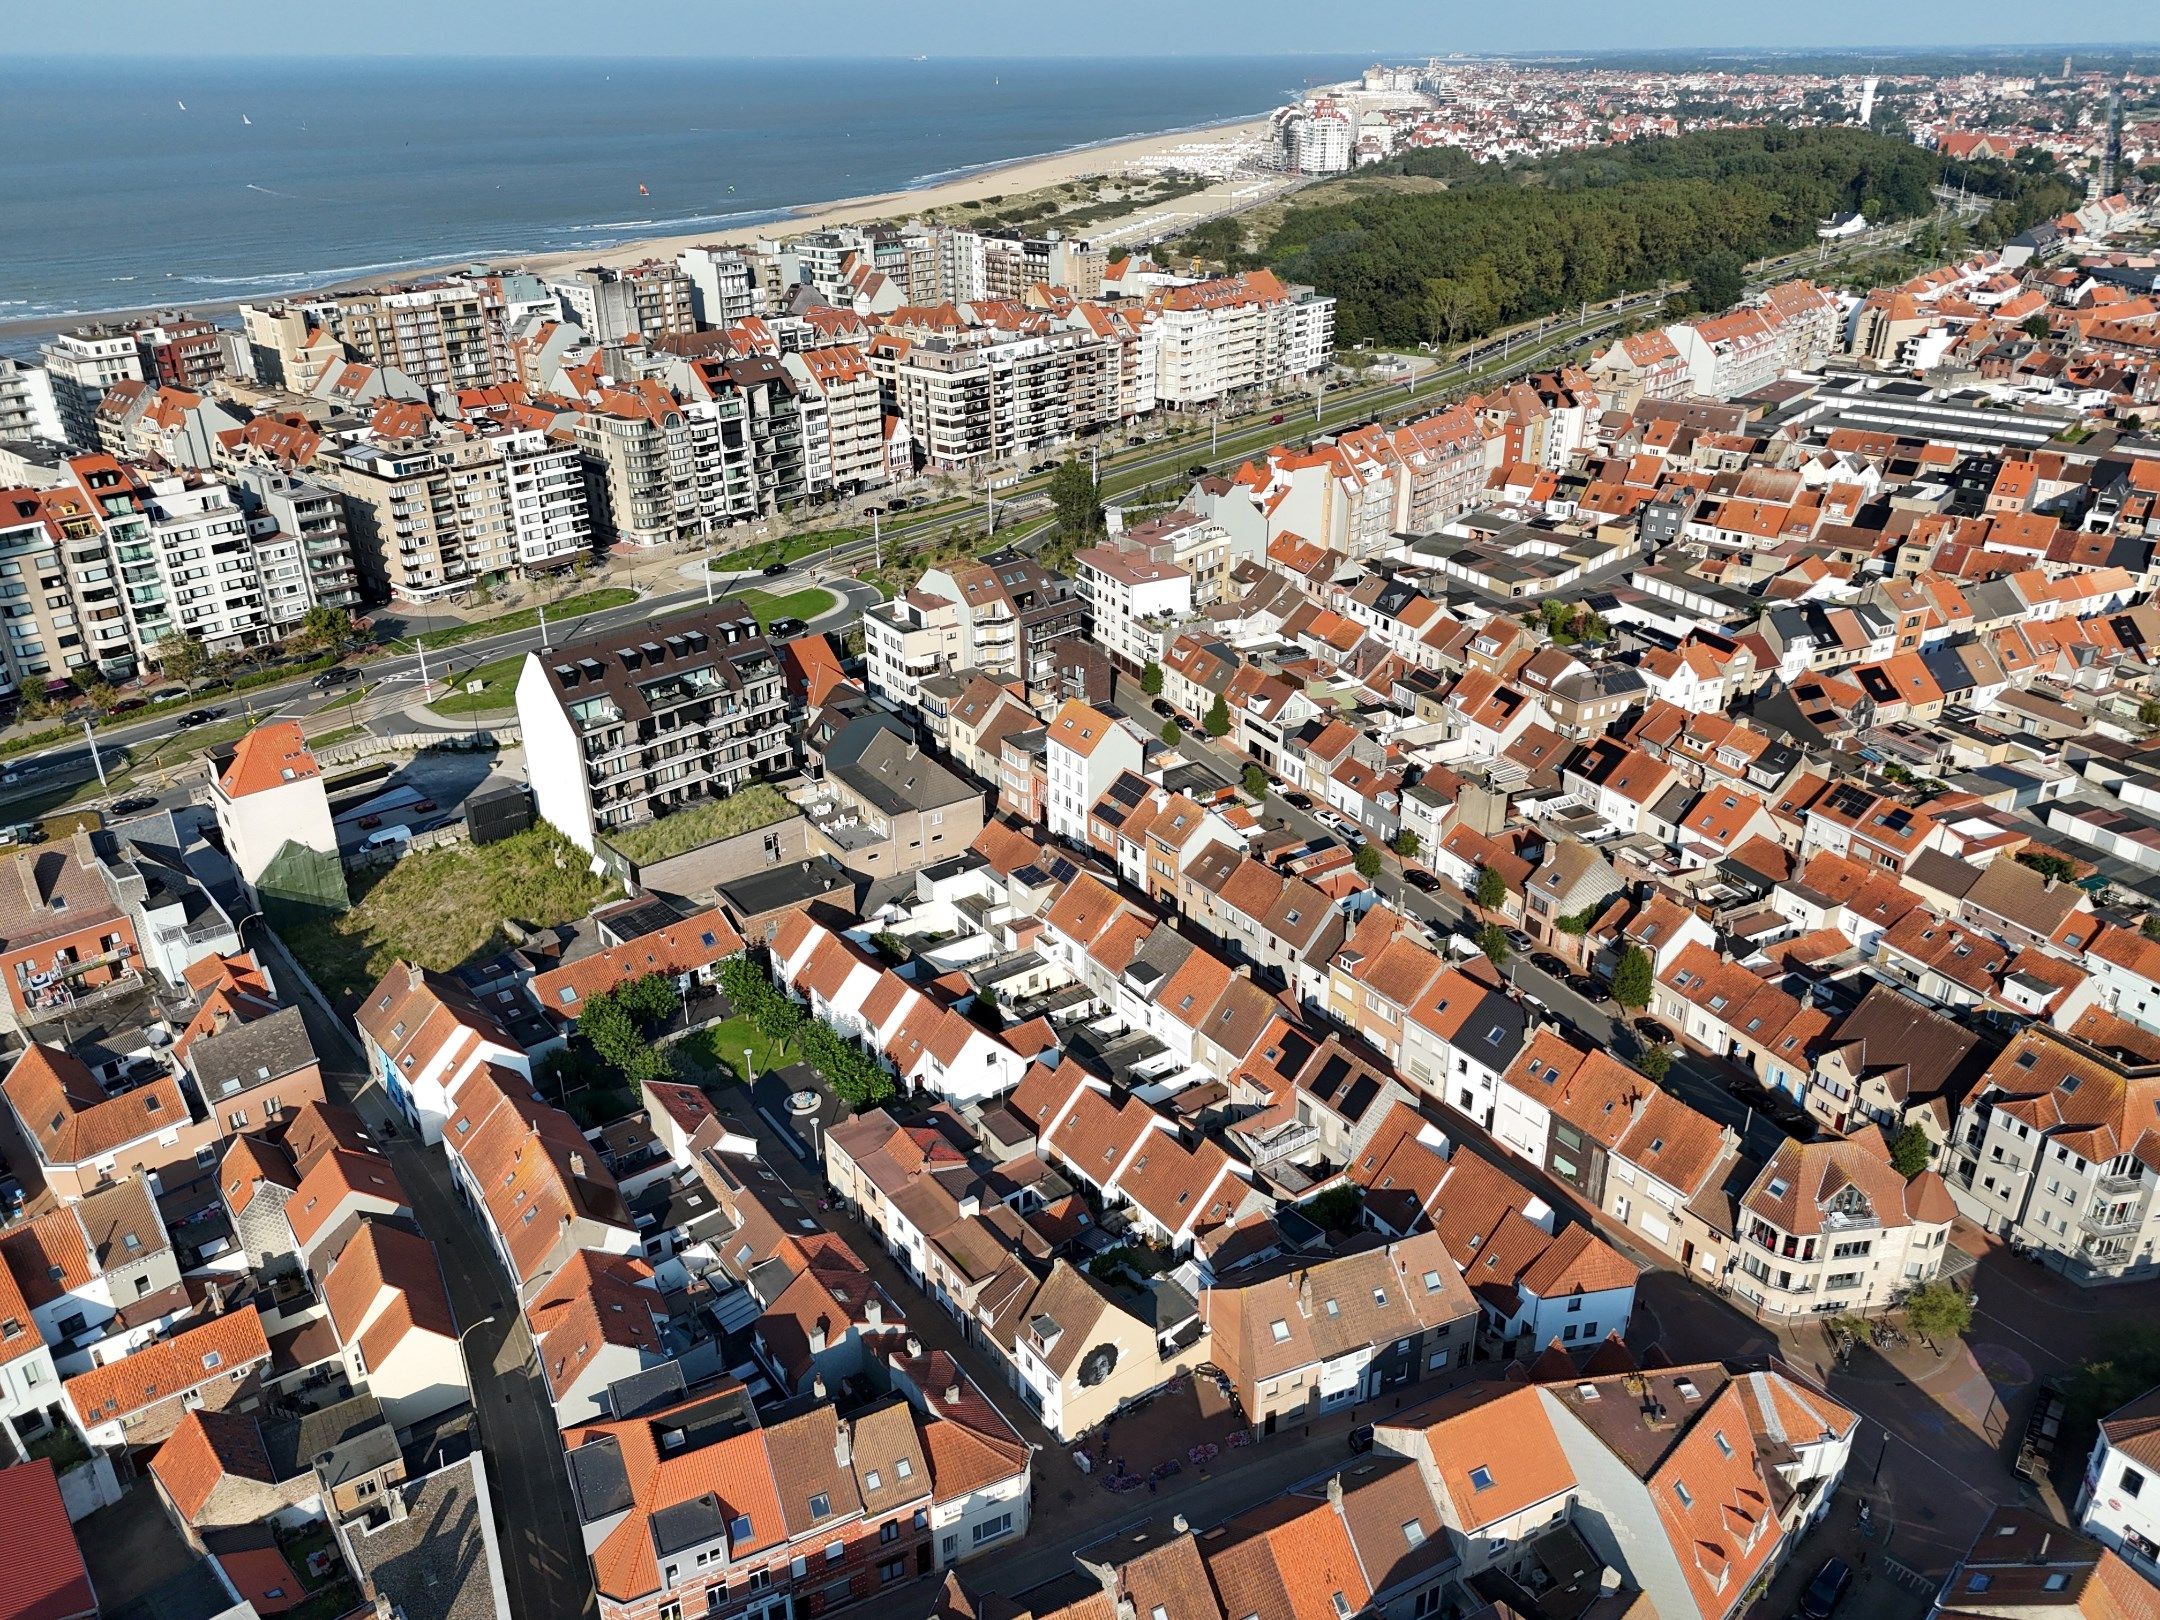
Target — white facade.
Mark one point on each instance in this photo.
(2119, 1506)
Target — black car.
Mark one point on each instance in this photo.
(899, 503)
(335, 677)
(1820, 1600)
(1297, 800)
(1198, 469)
(134, 806)
(197, 717)
(1423, 882)
(1652, 1033)
(1551, 966)
(771, 569)
(1163, 710)
(1591, 990)
(785, 629)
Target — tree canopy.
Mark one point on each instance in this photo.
(1511, 243)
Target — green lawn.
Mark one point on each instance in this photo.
(341, 734)
(805, 604)
(749, 808)
(719, 1049)
(559, 615)
(498, 687)
(444, 907)
(786, 549)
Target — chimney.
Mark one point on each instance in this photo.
(396, 1505)
(577, 1165)
(26, 869)
(817, 1386)
(914, 1345)
(952, 1394)
(384, 1608)
(817, 1335)
(843, 1446)
(1334, 1492)
(412, 975)
(1177, 1523)
(874, 1311)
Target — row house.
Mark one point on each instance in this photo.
(930, 1043)
(1308, 1337)
(1134, 1157)
(141, 1398)
(424, 1037)
(701, 1506)
(1688, 1485)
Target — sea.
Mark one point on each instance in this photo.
(137, 182)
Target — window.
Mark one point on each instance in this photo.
(991, 1529)
(873, 1480)
(893, 1569)
(1413, 1534)
(797, 1565)
(1280, 1329)
(888, 1532)
(838, 1550)
(1481, 1479)
(2132, 1481)
(1679, 1489)
(903, 1469)
(820, 1505)
(1574, 1305)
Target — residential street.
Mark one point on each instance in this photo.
(543, 1554)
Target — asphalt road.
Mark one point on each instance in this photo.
(39, 774)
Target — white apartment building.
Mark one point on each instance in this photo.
(28, 410)
(79, 367)
(1084, 752)
(2119, 1505)
(444, 334)
(1235, 333)
(650, 300)
(1831, 1227)
(1133, 603)
(908, 640)
(723, 287)
(213, 580)
(2051, 1150)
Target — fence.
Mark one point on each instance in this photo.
(408, 742)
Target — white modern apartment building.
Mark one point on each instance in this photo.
(1234, 333)
(80, 366)
(1133, 602)
(28, 410)
(213, 581)
(723, 287)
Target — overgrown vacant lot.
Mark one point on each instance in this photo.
(748, 808)
(444, 907)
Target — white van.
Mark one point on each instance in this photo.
(399, 834)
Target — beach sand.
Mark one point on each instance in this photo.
(998, 180)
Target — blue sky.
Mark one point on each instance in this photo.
(750, 28)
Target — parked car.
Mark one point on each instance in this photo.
(1591, 990)
(772, 569)
(389, 835)
(899, 503)
(1549, 965)
(128, 705)
(133, 805)
(1422, 881)
(1276, 420)
(1296, 800)
(1198, 469)
(166, 694)
(335, 677)
(1652, 1033)
(1518, 941)
(786, 629)
(1163, 711)
(1820, 1600)
(12, 1196)
(424, 806)
(369, 821)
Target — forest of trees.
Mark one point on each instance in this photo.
(1505, 244)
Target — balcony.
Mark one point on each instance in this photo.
(2111, 1220)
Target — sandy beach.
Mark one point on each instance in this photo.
(996, 180)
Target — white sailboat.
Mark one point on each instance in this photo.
(183, 106)
(245, 119)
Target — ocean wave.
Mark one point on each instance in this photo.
(680, 221)
(298, 278)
